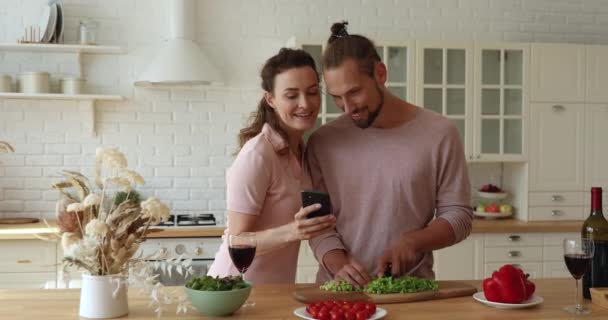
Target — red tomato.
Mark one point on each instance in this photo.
(323, 315)
(370, 307)
(350, 315)
(311, 309)
(361, 315)
(359, 305)
(336, 315)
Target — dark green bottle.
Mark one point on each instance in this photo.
(596, 229)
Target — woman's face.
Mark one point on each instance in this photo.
(296, 98)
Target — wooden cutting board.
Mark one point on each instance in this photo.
(447, 289)
(18, 220)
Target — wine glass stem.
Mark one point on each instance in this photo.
(578, 299)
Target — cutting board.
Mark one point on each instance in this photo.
(447, 289)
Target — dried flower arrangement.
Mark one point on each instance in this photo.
(5, 147)
(100, 231)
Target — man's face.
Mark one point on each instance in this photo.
(355, 92)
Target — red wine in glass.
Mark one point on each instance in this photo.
(577, 264)
(242, 256)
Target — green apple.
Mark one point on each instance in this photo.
(481, 208)
(505, 208)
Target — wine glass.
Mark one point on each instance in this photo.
(242, 251)
(578, 253)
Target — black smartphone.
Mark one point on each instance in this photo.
(310, 197)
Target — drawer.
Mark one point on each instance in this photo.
(513, 255)
(555, 213)
(306, 257)
(556, 198)
(28, 256)
(553, 253)
(556, 239)
(34, 280)
(534, 269)
(513, 239)
(555, 269)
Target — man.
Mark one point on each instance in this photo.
(390, 168)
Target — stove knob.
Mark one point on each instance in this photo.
(180, 249)
(198, 251)
(162, 251)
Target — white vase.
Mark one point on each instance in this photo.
(103, 297)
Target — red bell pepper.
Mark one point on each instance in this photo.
(530, 286)
(506, 285)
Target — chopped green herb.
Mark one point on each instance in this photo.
(338, 285)
(208, 283)
(386, 285)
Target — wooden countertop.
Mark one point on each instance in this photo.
(40, 229)
(276, 302)
(33, 230)
(513, 225)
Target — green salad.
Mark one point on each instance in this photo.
(384, 285)
(208, 283)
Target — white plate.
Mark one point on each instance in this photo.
(492, 214)
(492, 195)
(48, 31)
(60, 23)
(533, 301)
(301, 312)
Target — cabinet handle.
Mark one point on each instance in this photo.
(556, 213)
(558, 107)
(24, 261)
(557, 197)
(478, 156)
(514, 238)
(514, 254)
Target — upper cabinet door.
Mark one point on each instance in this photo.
(558, 73)
(444, 81)
(596, 154)
(557, 147)
(501, 99)
(597, 74)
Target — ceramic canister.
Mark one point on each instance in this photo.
(6, 83)
(72, 85)
(33, 82)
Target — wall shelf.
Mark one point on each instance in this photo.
(85, 101)
(60, 48)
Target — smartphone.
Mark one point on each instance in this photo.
(310, 197)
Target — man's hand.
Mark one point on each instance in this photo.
(354, 273)
(402, 255)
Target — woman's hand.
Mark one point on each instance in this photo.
(303, 228)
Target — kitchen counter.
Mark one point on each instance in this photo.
(276, 302)
(35, 230)
(41, 230)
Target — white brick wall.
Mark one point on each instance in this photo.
(182, 139)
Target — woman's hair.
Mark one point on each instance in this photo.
(342, 46)
(284, 60)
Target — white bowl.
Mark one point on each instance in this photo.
(492, 195)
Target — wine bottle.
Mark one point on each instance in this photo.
(596, 229)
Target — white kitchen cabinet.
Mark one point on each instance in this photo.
(307, 265)
(501, 102)
(557, 72)
(27, 263)
(444, 72)
(461, 261)
(597, 74)
(596, 154)
(557, 147)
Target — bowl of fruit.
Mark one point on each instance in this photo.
(493, 210)
(215, 296)
(490, 191)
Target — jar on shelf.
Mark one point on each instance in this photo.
(6, 83)
(72, 85)
(33, 82)
(87, 34)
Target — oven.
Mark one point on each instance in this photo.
(200, 250)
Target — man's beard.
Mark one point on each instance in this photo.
(366, 123)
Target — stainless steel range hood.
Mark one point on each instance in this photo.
(180, 61)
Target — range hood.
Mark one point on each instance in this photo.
(180, 61)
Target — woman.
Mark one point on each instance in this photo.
(267, 176)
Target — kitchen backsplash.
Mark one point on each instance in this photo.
(182, 139)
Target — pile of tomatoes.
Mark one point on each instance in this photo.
(341, 310)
